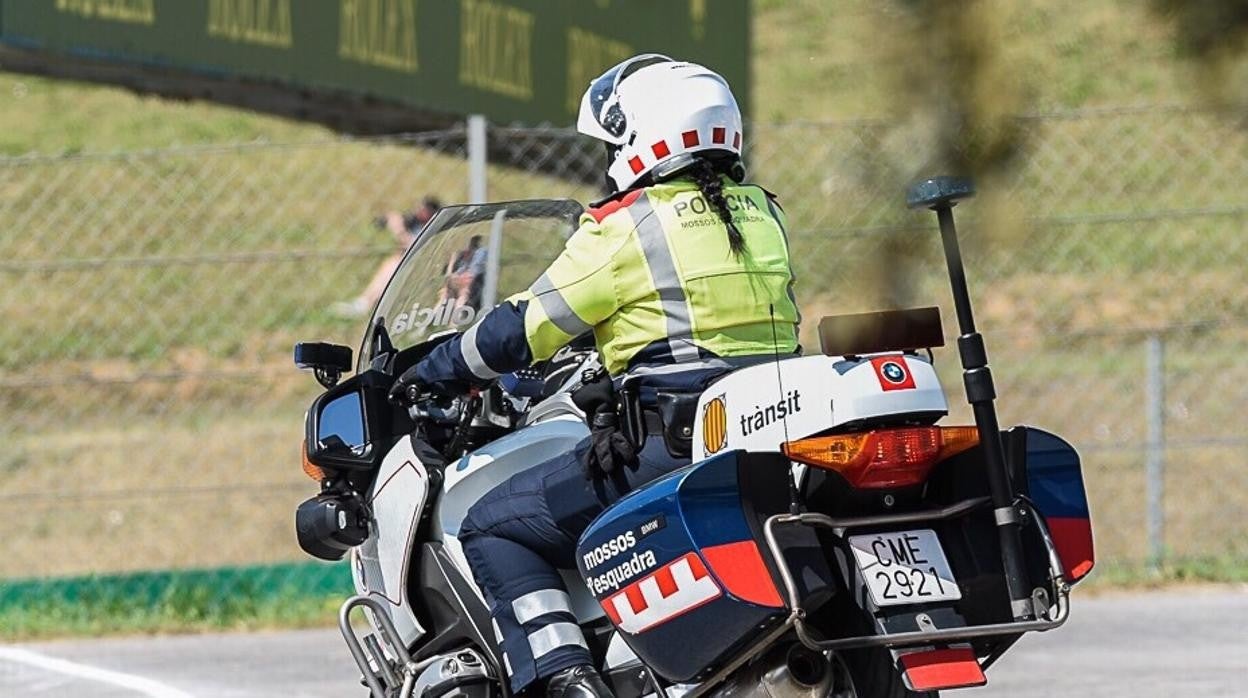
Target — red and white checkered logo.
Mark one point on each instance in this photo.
(670, 591)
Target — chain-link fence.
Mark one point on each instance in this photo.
(151, 416)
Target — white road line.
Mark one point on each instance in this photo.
(147, 687)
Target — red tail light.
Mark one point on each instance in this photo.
(884, 457)
(954, 667)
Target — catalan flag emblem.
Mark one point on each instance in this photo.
(715, 425)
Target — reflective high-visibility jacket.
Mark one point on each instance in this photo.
(652, 275)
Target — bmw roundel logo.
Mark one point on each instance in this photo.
(893, 372)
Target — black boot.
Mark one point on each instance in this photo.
(578, 682)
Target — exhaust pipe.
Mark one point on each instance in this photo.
(786, 672)
(807, 668)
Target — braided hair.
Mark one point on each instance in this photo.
(707, 176)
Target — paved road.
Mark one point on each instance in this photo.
(1191, 643)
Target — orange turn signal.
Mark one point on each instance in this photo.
(309, 469)
(883, 457)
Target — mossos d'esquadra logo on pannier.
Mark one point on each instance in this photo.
(714, 425)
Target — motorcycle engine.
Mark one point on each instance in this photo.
(461, 674)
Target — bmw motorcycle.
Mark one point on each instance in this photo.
(832, 537)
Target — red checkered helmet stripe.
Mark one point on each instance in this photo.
(660, 150)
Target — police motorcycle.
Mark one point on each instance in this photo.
(830, 538)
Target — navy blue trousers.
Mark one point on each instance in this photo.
(521, 532)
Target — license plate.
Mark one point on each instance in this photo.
(904, 567)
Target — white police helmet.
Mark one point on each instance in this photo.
(654, 113)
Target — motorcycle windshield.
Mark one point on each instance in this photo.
(466, 260)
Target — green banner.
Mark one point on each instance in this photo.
(522, 61)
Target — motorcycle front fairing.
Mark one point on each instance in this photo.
(460, 265)
(381, 565)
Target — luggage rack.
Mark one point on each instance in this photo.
(1046, 617)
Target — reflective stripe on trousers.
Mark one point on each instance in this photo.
(522, 532)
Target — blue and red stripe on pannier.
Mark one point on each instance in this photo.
(1055, 486)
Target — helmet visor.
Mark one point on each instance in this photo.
(602, 102)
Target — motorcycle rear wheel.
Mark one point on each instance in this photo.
(870, 673)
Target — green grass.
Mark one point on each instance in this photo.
(1211, 570)
(182, 610)
(297, 595)
(54, 116)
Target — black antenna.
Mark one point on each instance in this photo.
(794, 507)
(941, 194)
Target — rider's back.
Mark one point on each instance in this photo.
(654, 273)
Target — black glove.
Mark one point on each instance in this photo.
(407, 388)
(594, 394)
(609, 448)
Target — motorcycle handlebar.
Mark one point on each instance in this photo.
(437, 407)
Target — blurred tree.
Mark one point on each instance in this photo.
(1214, 33)
(953, 64)
(956, 80)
